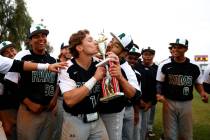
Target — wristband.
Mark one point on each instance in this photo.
(42, 66)
(90, 83)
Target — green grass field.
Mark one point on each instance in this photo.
(201, 120)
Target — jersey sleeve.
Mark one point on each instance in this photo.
(65, 83)
(160, 75)
(15, 76)
(5, 64)
(131, 76)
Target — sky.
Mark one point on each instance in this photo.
(154, 23)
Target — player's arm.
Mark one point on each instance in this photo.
(28, 66)
(71, 93)
(201, 91)
(132, 93)
(206, 80)
(206, 87)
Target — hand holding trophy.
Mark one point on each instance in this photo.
(110, 85)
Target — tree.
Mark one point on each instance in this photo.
(15, 21)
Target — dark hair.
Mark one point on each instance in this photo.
(76, 39)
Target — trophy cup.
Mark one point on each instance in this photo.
(110, 85)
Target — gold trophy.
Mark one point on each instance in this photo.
(110, 85)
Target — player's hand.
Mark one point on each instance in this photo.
(160, 98)
(100, 73)
(204, 97)
(147, 106)
(56, 66)
(33, 107)
(113, 56)
(115, 71)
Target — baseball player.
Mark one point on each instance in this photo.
(8, 99)
(65, 54)
(147, 69)
(81, 89)
(118, 114)
(176, 78)
(37, 89)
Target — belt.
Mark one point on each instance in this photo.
(80, 115)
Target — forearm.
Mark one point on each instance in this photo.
(29, 66)
(75, 96)
(199, 88)
(206, 87)
(127, 88)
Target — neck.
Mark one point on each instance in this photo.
(147, 64)
(39, 52)
(84, 62)
(180, 59)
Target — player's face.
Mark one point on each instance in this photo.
(148, 57)
(90, 46)
(132, 59)
(10, 52)
(179, 50)
(66, 52)
(39, 43)
(115, 47)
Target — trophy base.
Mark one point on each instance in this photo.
(111, 97)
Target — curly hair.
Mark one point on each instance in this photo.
(76, 39)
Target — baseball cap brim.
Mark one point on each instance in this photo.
(172, 44)
(39, 31)
(117, 39)
(5, 47)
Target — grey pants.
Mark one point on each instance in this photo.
(32, 126)
(140, 130)
(75, 129)
(177, 120)
(151, 117)
(113, 123)
(128, 124)
(59, 120)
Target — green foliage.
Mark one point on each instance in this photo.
(14, 21)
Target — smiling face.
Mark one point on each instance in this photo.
(178, 50)
(38, 43)
(9, 52)
(65, 52)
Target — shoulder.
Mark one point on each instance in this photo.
(21, 54)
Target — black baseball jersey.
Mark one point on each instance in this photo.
(178, 79)
(75, 76)
(148, 81)
(38, 86)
